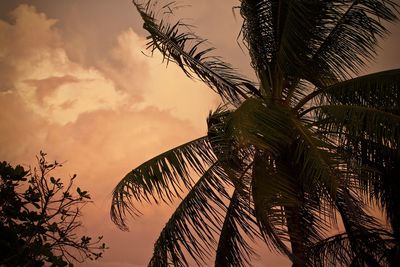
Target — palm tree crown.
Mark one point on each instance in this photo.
(285, 157)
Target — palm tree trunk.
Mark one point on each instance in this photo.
(294, 218)
(297, 241)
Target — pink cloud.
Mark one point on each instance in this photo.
(46, 87)
(93, 118)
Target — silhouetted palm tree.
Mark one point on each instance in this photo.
(286, 156)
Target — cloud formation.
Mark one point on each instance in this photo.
(38, 68)
(102, 119)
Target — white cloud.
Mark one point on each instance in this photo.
(33, 51)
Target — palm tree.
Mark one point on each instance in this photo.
(288, 156)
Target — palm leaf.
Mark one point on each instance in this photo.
(386, 190)
(317, 40)
(363, 113)
(286, 209)
(195, 222)
(336, 250)
(363, 244)
(320, 161)
(379, 176)
(185, 49)
(353, 30)
(268, 204)
(262, 124)
(303, 25)
(257, 32)
(161, 178)
(238, 229)
(378, 90)
(377, 124)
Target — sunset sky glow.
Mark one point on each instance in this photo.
(77, 83)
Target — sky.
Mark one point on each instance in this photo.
(77, 83)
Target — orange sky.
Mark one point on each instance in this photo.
(74, 83)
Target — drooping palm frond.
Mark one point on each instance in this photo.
(186, 50)
(386, 190)
(192, 228)
(337, 251)
(288, 210)
(373, 133)
(161, 178)
(364, 111)
(269, 196)
(378, 175)
(239, 228)
(364, 243)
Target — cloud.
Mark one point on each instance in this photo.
(103, 119)
(45, 87)
(42, 74)
(60, 89)
(153, 84)
(100, 147)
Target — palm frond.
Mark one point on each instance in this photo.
(238, 229)
(374, 124)
(258, 33)
(192, 227)
(366, 107)
(337, 251)
(303, 26)
(267, 192)
(316, 40)
(379, 90)
(161, 178)
(353, 30)
(321, 163)
(188, 52)
(379, 176)
(285, 210)
(365, 243)
(386, 190)
(263, 124)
